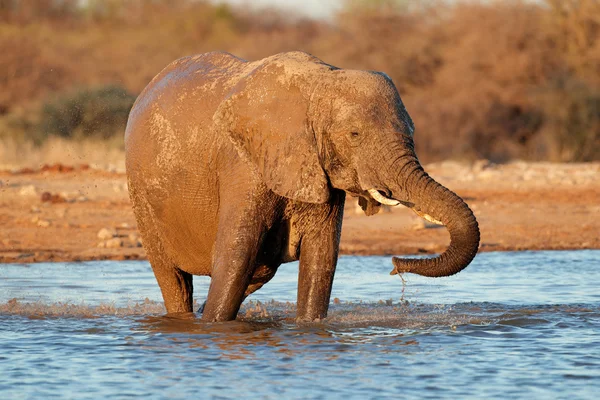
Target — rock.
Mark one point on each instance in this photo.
(135, 240)
(69, 197)
(114, 243)
(28, 190)
(106, 233)
(48, 197)
(43, 223)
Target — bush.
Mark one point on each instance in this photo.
(572, 125)
(495, 79)
(90, 112)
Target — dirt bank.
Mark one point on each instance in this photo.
(71, 214)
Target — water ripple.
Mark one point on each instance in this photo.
(512, 325)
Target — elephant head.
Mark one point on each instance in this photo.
(308, 127)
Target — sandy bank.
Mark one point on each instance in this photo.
(57, 215)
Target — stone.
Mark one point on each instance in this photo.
(28, 190)
(48, 197)
(114, 243)
(106, 233)
(135, 240)
(43, 223)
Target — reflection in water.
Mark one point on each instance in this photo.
(503, 328)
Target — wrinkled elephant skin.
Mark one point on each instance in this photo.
(236, 167)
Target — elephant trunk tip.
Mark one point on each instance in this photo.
(460, 253)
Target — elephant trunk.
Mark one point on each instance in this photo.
(437, 203)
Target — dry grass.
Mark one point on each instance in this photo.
(104, 154)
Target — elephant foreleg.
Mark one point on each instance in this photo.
(261, 275)
(235, 252)
(318, 259)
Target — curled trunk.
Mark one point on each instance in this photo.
(434, 200)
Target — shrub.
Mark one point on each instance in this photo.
(496, 79)
(90, 112)
(572, 125)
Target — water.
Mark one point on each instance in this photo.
(512, 325)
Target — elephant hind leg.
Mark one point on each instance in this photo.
(176, 285)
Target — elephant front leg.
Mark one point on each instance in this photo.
(234, 258)
(318, 259)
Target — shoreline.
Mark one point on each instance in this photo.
(42, 257)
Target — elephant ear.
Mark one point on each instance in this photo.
(266, 119)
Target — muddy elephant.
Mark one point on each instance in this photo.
(236, 167)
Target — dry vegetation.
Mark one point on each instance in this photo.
(497, 80)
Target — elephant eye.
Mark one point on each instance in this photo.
(354, 134)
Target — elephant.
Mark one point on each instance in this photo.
(235, 167)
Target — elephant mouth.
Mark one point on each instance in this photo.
(382, 198)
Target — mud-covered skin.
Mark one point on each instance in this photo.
(235, 167)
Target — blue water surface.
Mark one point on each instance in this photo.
(512, 325)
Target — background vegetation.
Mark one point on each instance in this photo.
(498, 79)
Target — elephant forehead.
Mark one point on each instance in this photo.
(374, 114)
(366, 84)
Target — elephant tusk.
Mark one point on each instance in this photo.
(382, 199)
(393, 202)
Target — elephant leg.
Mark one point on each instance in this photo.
(236, 247)
(318, 259)
(261, 276)
(176, 285)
